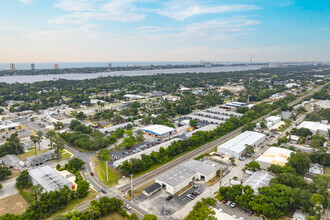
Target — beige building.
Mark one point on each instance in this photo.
(274, 155)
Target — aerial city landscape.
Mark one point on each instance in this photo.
(170, 110)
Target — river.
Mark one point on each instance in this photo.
(81, 76)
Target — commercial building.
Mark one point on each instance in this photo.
(231, 88)
(213, 115)
(33, 67)
(133, 97)
(182, 175)
(56, 66)
(316, 169)
(12, 66)
(323, 104)
(110, 129)
(236, 104)
(158, 130)
(152, 189)
(209, 127)
(48, 178)
(9, 160)
(9, 127)
(148, 151)
(204, 119)
(274, 119)
(315, 127)
(41, 158)
(222, 111)
(274, 155)
(235, 147)
(258, 179)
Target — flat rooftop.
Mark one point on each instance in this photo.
(158, 129)
(258, 179)
(275, 155)
(48, 178)
(238, 143)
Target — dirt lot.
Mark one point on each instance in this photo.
(14, 204)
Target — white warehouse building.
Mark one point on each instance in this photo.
(315, 127)
(274, 155)
(235, 147)
(182, 175)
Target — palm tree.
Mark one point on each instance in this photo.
(35, 140)
(39, 134)
(50, 135)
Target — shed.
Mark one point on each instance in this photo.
(152, 189)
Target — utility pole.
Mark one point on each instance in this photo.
(249, 88)
(106, 165)
(132, 194)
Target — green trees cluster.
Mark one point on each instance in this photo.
(88, 138)
(202, 210)
(253, 166)
(45, 204)
(23, 180)
(321, 157)
(317, 141)
(4, 172)
(304, 132)
(12, 146)
(97, 209)
(75, 163)
(323, 114)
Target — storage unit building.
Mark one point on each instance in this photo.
(158, 130)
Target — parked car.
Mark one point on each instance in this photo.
(190, 196)
(102, 190)
(228, 203)
(224, 201)
(194, 193)
(169, 197)
(196, 186)
(250, 212)
(92, 174)
(198, 192)
(126, 206)
(233, 204)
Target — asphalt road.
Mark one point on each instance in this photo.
(98, 185)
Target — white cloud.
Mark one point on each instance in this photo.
(26, 1)
(81, 11)
(183, 9)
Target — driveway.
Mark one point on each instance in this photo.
(8, 188)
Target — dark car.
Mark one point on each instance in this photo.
(102, 190)
(169, 197)
(224, 201)
(92, 174)
(194, 193)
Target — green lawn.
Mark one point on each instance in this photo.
(31, 153)
(286, 126)
(65, 155)
(327, 171)
(113, 216)
(113, 174)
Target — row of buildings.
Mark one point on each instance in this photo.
(12, 66)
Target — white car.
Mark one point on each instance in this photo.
(128, 207)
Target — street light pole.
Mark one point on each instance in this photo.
(132, 194)
(106, 167)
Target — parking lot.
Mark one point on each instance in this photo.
(154, 203)
(237, 211)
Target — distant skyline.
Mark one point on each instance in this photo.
(154, 30)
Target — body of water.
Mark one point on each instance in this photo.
(81, 76)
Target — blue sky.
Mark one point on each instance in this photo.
(155, 30)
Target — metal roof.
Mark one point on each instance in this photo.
(41, 158)
(48, 178)
(153, 187)
(184, 171)
(275, 155)
(258, 179)
(222, 111)
(115, 127)
(10, 159)
(159, 130)
(237, 144)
